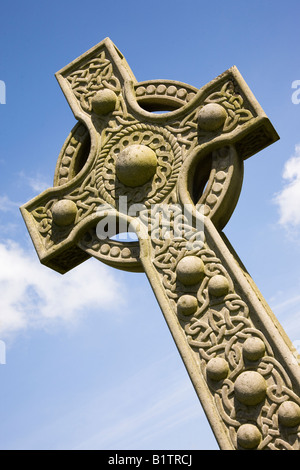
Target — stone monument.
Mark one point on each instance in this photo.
(174, 178)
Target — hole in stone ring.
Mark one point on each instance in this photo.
(115, 229)
(157, 108)
(74, 155)
(200, 178)
(83, 153)
(158, 104)
(125, 237)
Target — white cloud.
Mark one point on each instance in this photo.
(33, 296)
(37, 183)
(6, 205)
(286, 308)
(288, 200)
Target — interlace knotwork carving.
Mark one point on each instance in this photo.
(233, 103)
(97, 74)
(229, 348)
(169, 159)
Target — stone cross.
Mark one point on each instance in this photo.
(173, 178)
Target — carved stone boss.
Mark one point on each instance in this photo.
(181, 171)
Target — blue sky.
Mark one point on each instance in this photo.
(90, 363)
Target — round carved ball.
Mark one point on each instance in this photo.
(217, 368)
(189, 270)
(211, 117)
(289, 414)
(250, 388)
(104, 101)
(64, 212)
(218, 286)
(187, 304)
(248, 436)
(136, 165)
(253, 348)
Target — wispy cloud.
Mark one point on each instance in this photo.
(6, 205)
(170, 407)
(285, 306)
(288, 199)
(144, 411)
(33, 296)
(37, 182)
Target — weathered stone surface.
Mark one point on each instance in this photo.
(190, 270)
(136, 165)
(180, 174)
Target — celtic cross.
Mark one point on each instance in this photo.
(174, 179)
